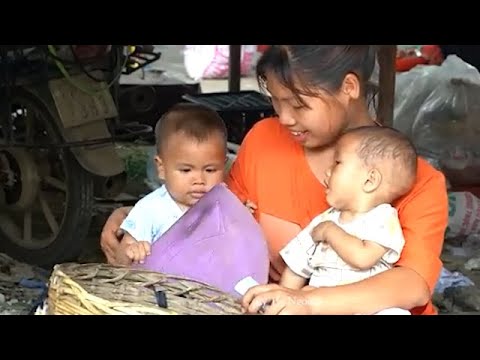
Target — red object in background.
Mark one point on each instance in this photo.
(407, 60)
(433, 54)
(262, 48)
(426, 55)
(87, 52)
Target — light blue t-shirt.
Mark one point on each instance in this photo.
(152, 216)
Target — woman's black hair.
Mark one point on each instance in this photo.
(306, 69)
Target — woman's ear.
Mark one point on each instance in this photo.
(351, 86)
(160, 167)
(373, 181)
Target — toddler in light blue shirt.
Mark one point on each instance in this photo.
(191, 142)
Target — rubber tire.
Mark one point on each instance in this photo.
(73, 231)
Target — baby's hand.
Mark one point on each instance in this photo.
(138, 251)
(321, 231)
(250, 206)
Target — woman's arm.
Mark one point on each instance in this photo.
(383, 291)
(111, 237)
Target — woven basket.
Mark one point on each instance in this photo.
(100, 289)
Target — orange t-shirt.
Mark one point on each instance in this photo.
(272, 171)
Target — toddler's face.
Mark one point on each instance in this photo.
(190, 168)
(345, 179)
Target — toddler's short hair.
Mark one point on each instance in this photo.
(193, 120)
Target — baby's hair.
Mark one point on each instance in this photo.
(385, 143)
(195, 121)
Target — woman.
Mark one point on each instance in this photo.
(318, 92)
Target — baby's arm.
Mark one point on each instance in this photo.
(382, 234)
(358, 253)
(296, 256)
(291, 280)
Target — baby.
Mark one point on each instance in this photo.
(360, 235)
(191, 142)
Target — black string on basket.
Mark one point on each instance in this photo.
(161, 298)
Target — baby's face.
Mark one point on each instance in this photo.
(345, 178)
(191, 168)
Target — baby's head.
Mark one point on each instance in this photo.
(373, 165)
(191, 142)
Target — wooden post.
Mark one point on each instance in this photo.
(234, 75)
(386, 61)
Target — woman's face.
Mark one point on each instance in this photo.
(317, 125)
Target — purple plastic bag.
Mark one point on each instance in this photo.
(217, 242)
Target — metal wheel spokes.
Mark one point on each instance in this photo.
(33, 180)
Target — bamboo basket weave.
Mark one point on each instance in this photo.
(101, 289)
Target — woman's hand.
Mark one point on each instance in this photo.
(112, 235)
(276, 300)
(369, 296)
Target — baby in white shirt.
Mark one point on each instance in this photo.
(360, 235)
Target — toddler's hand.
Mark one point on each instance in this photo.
(138, 251)
(250, 206)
